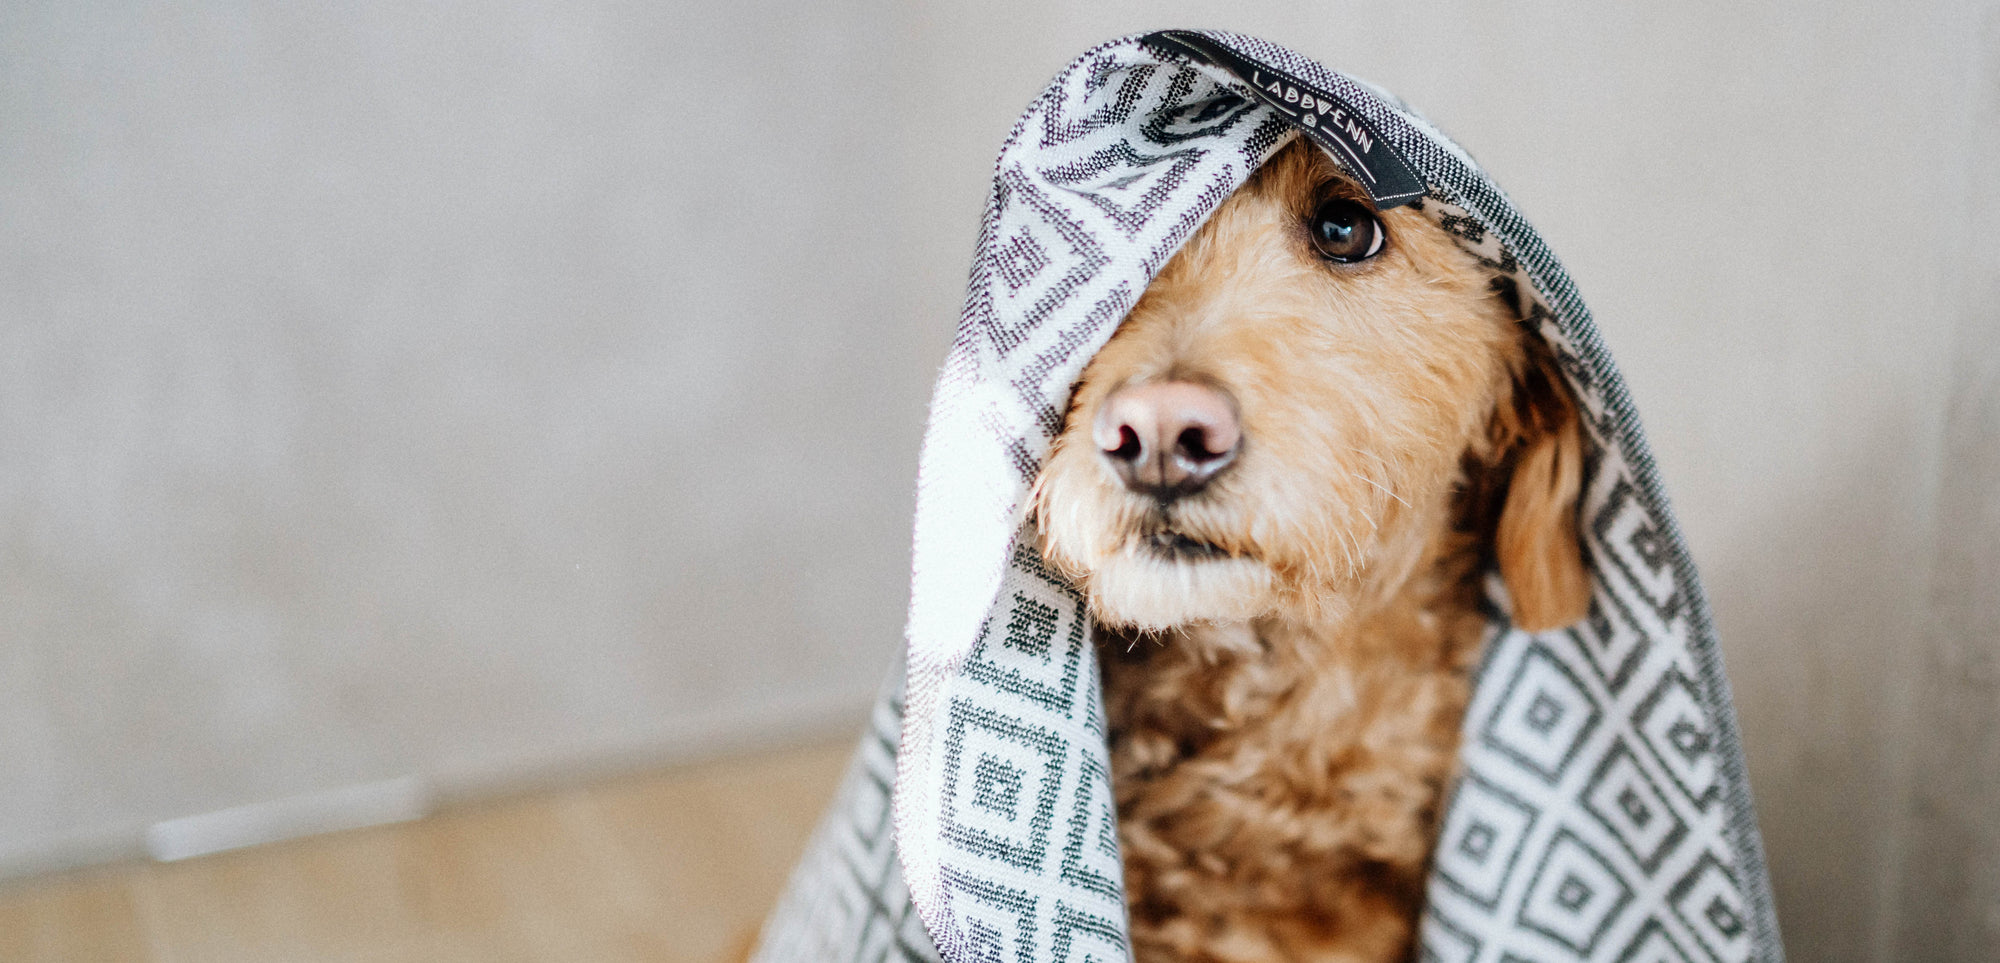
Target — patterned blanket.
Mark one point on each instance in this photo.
(1602, 813)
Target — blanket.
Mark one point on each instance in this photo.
(1602, 811)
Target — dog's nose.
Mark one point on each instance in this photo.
(1167, 439)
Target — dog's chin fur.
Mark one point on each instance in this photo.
(1139, 589)
(1285, 671)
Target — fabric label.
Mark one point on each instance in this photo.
(1328, 120)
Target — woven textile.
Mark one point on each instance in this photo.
(1603, 811)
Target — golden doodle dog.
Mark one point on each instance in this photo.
(1279, 485)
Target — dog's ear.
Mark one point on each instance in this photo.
(1536, 539)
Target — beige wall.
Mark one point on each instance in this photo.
(1948, 878)
(485, 391)
(458, 389)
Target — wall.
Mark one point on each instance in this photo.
(453, 389)
(1948, 880)
(491, 392)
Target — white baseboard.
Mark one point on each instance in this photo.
(358, 806)
(774, 721)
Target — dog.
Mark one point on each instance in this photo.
(1279, 485)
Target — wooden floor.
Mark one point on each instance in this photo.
(678, 866)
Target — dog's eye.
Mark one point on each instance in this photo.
(1345, 231)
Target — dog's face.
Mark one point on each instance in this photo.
(1277, 426)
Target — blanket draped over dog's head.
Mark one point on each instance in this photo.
(1603, 811)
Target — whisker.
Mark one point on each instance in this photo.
(1378, 487)
(1354, 551)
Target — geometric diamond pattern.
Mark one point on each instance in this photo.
(1575, 894)
(1102, 180)
(1607, 635)
(1090, 852)
(1673, 725)
(1632, 809)
(1544, 717)
(1195, 120)
(1027, 657)
(1653, 945)
(1127, 186)
(1443, 942)
(1028, 866)
(846, 901)
(1044, 259)
(1601, 811)
(1483, 835)
(999, 754)
(1626, 534)
(1083, 938)
(1710, 904)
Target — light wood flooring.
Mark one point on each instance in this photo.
(678, 866)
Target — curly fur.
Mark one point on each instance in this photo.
(1284, 717)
